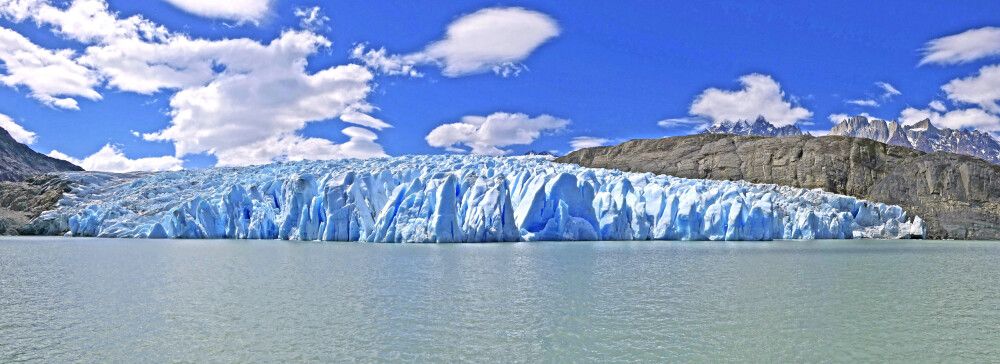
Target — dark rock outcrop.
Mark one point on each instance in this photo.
(18, 161)
(958, 196)
(21, 202)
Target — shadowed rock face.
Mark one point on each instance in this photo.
(958, 196)
(18, 162)
(20, 202)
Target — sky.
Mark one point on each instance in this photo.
(120, 85)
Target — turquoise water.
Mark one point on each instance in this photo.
(96, 300)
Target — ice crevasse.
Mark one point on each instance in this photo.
(438, 199)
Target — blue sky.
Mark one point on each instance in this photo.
(610, 71)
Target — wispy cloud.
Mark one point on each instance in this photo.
(695, 124)
(889, 90)
(581, 142)
(865, 102)
(963, 47)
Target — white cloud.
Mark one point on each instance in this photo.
(239, 10)
(955, 119)
(937, 106)
(296, 148)
(888, 90)
(837, 118)
(760, 96)
(963, 47)
(83, 20)
(866, 102)
(587, 142)
(112, 159)
(262, 97)
(231, 112)
(487, 134)
(696, 124)
(491, 39)
(312, 18)
(383, 62)
(982, 89)
(227, 94)
(53, 77)
(19, 133)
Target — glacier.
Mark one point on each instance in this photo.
(452, 198)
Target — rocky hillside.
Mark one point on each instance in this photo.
(18, 162)
(923, 136)
(958, 196)
(20, 202)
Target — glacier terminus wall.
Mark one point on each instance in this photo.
(439, 199)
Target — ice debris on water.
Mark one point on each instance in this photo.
(437, 199)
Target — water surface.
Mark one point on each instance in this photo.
(101, 300)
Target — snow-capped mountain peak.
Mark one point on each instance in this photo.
(923, 136)
(758, 127)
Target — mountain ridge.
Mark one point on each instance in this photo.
(18, 162)
(759, 127)
(923, 136)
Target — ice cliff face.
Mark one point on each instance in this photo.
(430, 199)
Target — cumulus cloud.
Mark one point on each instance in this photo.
(111, 159)
(265, 100)
(86, 21)
(239, 10)
(760, 96)
(955, 119)
(492, 39)
(863, 102)
(487, 134)
(19, 133)
(53, 77)
(581, 142)
(963, 47)
(982, 89)
(312, 18)
(888, 90)
(296, 148)
(227, 94)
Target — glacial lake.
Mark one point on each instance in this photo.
(98, 300)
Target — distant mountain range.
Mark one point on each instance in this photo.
(922, 136)
(18, 161)
(759, 127)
